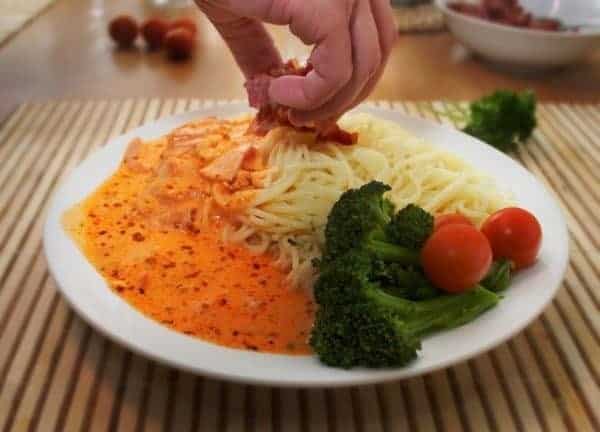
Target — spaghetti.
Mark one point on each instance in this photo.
(287, 216)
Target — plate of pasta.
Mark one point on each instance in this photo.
(259, 257)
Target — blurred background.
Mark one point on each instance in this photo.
(62, 49)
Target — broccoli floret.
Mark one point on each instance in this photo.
(350, 280)
(407, 282)
(357, 221)
(410, 227)
(498, 277)
(387, 333)
(362, 335)
(359, 277)
(346, 279)
(502, 119)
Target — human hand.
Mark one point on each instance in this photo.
(352, 40)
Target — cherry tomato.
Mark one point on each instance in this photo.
(123, 30)
(456, 257)
(154, 30)
(451, 219)
(514, 234)
(179, 43)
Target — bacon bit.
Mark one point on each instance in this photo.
(242, 180)
(230, 200)
(132, 156)
(335, 134)
(254, 160)
(227, 166)
(271, 115)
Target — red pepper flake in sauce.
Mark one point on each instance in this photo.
(138, 237)
(207, 298)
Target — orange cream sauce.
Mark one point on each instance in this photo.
(187, 279)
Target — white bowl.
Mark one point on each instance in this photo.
(530, 48)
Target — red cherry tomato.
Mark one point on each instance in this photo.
(154, 31)
(456, 257)
(179, 43)
(123, 30)
(515, 234)
(451, 219)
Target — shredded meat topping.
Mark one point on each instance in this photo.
(271, 115)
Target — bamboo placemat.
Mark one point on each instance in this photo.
(56, 373)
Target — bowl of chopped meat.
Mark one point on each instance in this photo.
(525, 33)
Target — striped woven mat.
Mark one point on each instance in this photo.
(56, 373)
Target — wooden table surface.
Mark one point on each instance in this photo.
(66, 53)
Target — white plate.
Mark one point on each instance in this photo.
(89, 295)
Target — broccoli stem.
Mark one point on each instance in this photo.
(498, 277)
(393, 253)
(454, 311)
(441, 313)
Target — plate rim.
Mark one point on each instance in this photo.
(345, 378)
